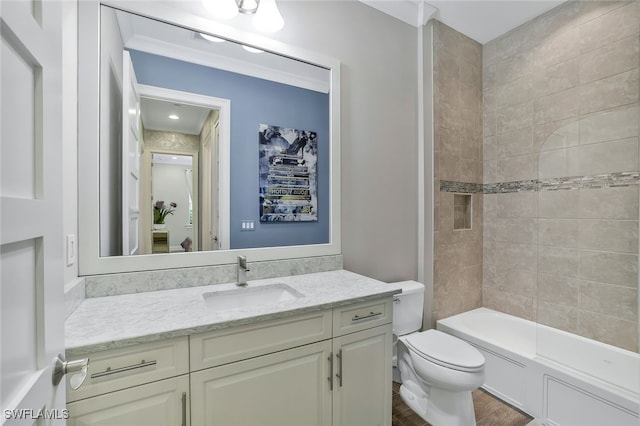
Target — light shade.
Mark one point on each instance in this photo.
(268, 18)
(223, 9)
(247, 7)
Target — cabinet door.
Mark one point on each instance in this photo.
(285, 388)
(159, 403)
(362, 389)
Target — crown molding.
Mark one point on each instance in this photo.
(415, 13)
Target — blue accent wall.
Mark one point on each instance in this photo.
(254, 101)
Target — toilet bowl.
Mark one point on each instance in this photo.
(438, 371)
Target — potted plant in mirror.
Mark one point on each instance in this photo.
(160, 212)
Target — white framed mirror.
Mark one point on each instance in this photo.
(231, 210)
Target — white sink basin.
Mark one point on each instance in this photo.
(250, 297)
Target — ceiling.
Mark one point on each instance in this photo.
(481, 20)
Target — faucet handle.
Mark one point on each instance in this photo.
(242, 262)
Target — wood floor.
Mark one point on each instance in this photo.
(490, 411)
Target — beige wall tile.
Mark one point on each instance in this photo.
(593, 9)
(558, 316)
(559, 232)
(448, 140)
(489, 100)
(611, 268)
(516, 230)
(516, 281)
(515, 117)
(489, 124)
(609, 330)
(610, 92)
(446, 115)
(609, 203)
(470, 170)
(514, 67)
(515, 41)
(449, 167)
(609, 235)
(555, 135)
(489, 53)
(489, 171)
(445, 38)
(559, 290)
(522, 257)
(522, 167)
(612, 26)
(490, 205)
(609, 60)
(615, 301)
(509, 303)
(557, 46)
(489, 148)
(446, 78)
(517, 204)
(564, 262)
(609, 125)
(534, 105)
(556, 20)
(514, 92)
(559, 163)
(517, 142)
(559, 204)
(556, 78)
(489, 77)
(557, 106)
(489, 261)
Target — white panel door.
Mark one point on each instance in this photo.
(31, 265)
(130, 159)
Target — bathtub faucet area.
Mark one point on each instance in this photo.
(241, 278)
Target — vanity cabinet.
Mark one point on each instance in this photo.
(362, 385)
(158, 403)
(329, 367)
(145, 384)
(284, 388)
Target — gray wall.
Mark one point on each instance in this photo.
(379, 129)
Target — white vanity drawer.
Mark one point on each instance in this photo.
(352, 318)
(238, 343)
(116, 369)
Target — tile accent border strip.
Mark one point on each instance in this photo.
(607, 180)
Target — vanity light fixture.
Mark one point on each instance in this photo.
(252, 49)
(266, 16)
(174, 117)
(212, 38)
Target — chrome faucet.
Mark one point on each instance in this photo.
(242, 271)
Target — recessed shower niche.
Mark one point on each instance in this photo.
(462, 211)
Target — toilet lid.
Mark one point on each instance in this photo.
(446, 350)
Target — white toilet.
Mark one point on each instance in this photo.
(438, 371)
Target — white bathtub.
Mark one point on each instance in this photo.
(550, 381)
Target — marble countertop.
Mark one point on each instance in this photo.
(115, 321)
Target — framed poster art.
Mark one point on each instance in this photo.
(288, 180)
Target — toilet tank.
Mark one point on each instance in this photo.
(407, 307)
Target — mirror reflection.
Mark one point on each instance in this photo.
(182, 122)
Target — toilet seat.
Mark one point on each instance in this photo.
(445, 350)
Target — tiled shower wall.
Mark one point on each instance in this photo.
(457, 77)
(561, 99)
